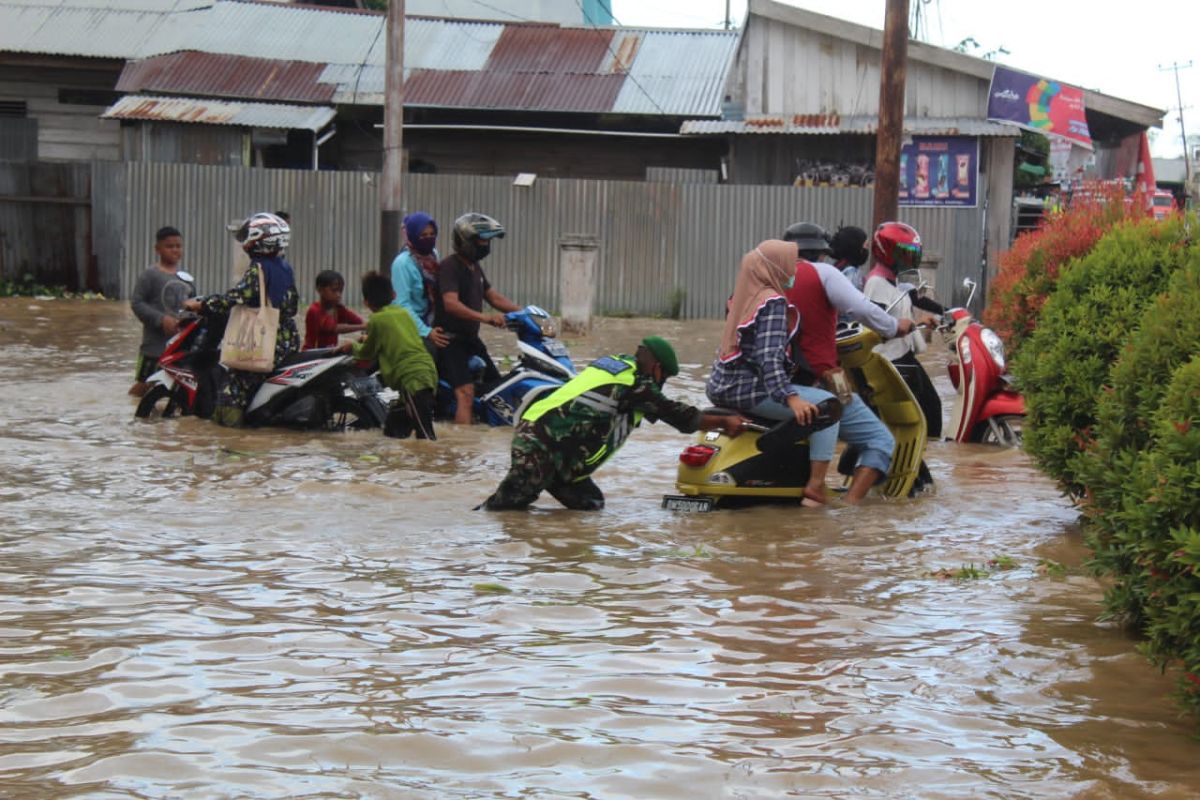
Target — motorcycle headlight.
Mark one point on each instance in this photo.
(994, 346)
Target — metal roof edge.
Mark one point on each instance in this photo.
(835, 124)
(190, 110)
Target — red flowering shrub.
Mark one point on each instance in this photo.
(1029, 270)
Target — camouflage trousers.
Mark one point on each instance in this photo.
(539, 466)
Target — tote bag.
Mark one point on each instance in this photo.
(249, 343)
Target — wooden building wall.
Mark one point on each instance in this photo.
(181, 143)
(67, 103)
(785, 69)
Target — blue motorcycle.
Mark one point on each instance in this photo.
(543, 365)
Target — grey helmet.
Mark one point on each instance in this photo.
(473, 233)
(809, 237)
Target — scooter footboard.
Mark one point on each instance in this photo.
(906, 466)
(896, 406)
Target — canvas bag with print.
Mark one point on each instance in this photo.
(249, 343)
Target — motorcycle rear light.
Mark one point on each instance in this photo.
(697, 455)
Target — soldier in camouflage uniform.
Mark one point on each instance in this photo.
(565, 437)
(264, 237)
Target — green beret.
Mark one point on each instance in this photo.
(664, 353)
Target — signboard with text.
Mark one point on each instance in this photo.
(940, 171)
(1038, 104)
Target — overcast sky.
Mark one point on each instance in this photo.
(1112, 46)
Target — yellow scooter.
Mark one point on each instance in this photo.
(769, 462)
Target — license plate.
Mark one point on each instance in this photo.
(676, 502)
(555, 348)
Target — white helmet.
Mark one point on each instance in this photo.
(263, 234)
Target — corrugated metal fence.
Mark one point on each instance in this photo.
(661, 244)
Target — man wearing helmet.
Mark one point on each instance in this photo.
(462, 290)
(896, 247)
(820, 293)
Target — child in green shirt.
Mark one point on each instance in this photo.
(404, 363)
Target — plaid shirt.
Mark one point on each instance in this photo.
(762, 366)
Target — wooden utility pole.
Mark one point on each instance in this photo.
(1187, 157)
(892, 68)
(391, 186)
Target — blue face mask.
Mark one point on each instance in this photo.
(790, 283)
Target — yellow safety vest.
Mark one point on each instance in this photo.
(602, 372)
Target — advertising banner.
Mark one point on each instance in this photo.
(1038, 104)
(939, 171)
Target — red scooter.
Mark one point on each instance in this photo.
(987, 407)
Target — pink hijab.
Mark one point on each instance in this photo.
(765, 273)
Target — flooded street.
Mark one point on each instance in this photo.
(192, 612)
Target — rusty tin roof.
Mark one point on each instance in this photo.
(220, 112)
(219, 75)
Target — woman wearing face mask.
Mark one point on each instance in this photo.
(753, 367)
(414, 276)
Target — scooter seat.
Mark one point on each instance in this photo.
(766, 422)
(300, 356)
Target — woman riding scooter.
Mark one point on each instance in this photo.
(897, 247)
(264, 237)
(751, 373)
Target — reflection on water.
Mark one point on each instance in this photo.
(187, 611)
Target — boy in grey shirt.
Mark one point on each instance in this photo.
(157, 299)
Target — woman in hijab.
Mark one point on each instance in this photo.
(414, 277)
(264, 237)
(753, 367)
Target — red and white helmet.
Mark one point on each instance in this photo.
(263, 234)
(896, 246)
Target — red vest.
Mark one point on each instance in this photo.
(817, 340)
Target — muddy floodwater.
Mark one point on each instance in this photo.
(192, 612)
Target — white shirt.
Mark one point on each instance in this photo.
(885, 293)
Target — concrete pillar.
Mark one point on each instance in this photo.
(577, 280)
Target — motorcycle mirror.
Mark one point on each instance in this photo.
(970, 286)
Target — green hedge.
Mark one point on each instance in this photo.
(1098, 301)
(1158, 527)
(1169, 336)
(1125, 433)
(1112, 380)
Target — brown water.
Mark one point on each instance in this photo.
(187, 611)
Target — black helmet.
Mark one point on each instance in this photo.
(808, 236)
(473, 233)
(849, 244)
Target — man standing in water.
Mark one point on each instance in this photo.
(565, 437)
(462, 290)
